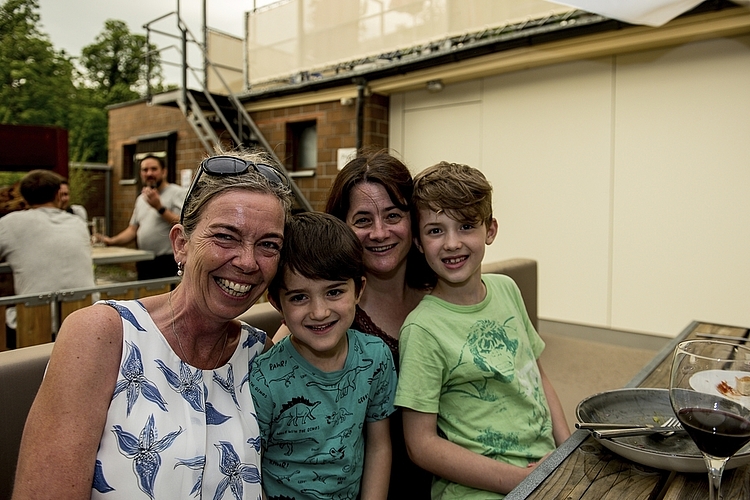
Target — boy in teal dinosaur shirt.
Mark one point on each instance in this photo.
(323, 394)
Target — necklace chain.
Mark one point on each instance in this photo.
(179, 342)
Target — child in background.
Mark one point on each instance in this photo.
(324, 393)
(479, 413)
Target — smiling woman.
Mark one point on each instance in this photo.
(372, 194)
(164, 414)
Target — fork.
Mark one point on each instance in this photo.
(668, 428)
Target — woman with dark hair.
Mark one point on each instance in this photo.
(372, 194)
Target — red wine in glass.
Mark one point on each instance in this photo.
(718, 422)
(717, 433)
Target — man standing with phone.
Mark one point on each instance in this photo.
(156, 210)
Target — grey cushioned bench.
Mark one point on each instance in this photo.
(21, 372)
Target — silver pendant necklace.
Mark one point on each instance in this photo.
(179, 342)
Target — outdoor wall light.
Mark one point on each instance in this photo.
(435, 86)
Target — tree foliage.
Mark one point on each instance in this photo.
(36, 84)
(116, 66)
(42, 86)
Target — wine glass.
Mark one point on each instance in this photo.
(711, 397)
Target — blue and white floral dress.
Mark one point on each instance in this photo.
(174, 431)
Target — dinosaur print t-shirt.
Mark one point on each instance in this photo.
(174, 431)
(312, 421)
(476, 368)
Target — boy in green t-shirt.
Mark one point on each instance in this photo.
(479, 413)
(324, 394)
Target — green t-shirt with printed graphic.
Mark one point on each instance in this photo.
(476, 368)
(312, 422)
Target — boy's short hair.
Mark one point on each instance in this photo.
(40, 186)
(318, 246)
(461, 191)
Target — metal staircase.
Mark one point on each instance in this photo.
(202, 109)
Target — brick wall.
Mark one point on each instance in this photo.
(128, 122)
(336, 128)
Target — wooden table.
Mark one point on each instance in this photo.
(117, 255)
(583, 469)
(107, 255)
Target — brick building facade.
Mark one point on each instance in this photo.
(133, 125)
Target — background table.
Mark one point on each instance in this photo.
(107, 255)
(582, 469)
(118, 255)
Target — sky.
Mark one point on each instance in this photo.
(73, 24)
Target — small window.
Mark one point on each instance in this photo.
(304, 146)
(162, 145)
(128, 164)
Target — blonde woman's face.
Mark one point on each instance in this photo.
(233, 254)
(383, 229)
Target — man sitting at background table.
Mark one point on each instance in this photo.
(156, 210)
(47, 248)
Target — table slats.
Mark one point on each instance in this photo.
(592, 472)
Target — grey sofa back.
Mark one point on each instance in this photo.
(21, 372)
(524, 273)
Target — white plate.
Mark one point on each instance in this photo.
(708, 381)
(648, 406)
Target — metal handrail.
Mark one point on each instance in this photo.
(31, 299)
(113, 288)
(71, 294)
(54, 299)
(243, 117)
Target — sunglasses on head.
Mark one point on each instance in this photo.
(230, 165)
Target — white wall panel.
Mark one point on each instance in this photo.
(446, 133)
(547, 152)
(451, 95)
(682, 187)
(627, 178)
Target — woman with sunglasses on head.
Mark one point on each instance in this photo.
(372, 194)
(146, 396)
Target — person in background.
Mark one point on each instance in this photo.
(11, 199)
(324, 393)
(156, 210)
(478, 410)
(145, 398)
(78, 210)
(47, 249)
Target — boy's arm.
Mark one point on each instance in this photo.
(453, 462)
(377, 470)
(560, 429)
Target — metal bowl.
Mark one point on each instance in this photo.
(647, 406)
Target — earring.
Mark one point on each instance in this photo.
(180, 267)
